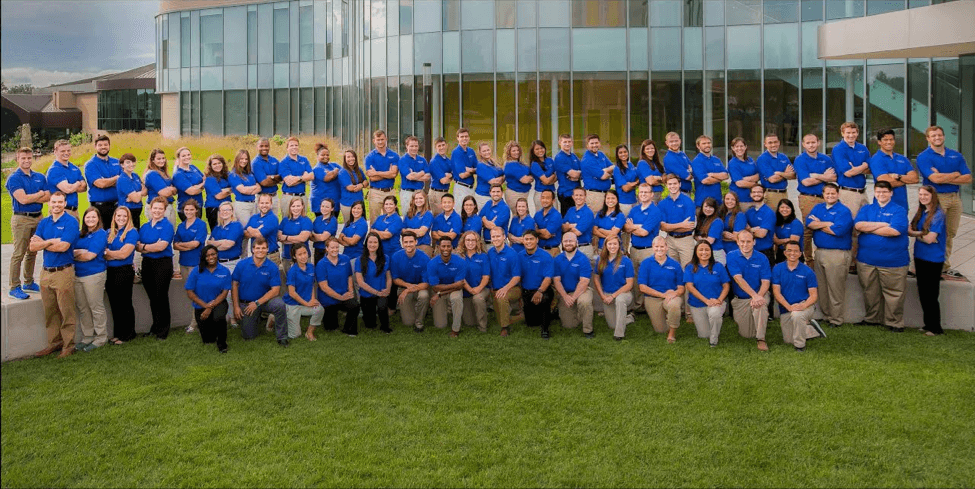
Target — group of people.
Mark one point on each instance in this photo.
(533, 236)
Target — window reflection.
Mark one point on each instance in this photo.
(782, 106)
(554, 104)
(779, 11)
(665, 13)
(554, 13)
(211, 104)
(477, 100)
(599, 107)
(741, 12)
(598, 49)
(639, 12)
(714, 116)
(918, 112)
(886, 100)
(599, 13)
(745, 105)
(427, 15)
(478, 51)
(665, 103)
(844, 100)
(693, 108)
(506, 109)
(812, 101)
(639, 109)
(527, 108)
(475, 14)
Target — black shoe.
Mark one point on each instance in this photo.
(285, 343)
(714, 345)
(417, 330)
(223, 350)
(590, 335)
(800, 350)
(895, 330)
(618, 338)
(545, 333)
(911, 274)
(386, 330)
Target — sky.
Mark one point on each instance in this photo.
(45, 42)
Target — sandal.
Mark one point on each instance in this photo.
(310, 337)
(116, 341)
(671, 340)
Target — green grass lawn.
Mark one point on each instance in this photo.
(862, 408)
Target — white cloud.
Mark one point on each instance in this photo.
(41, 78)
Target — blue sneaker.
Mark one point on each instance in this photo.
(31, 287)
(16, 293)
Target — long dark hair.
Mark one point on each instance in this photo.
(463, 213)
(932, 209)
(535, 159)
(203, 256)
(654, 161)
(354, 170)
(724, 211)
(779, 219)
(380, 256)
(704, 222)
(84, 227)
(622, 165)
(696, 262)
(605, 210)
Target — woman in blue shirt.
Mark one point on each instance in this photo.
(477, 293)
(389, 226)
(928, 229)
(207, 287)
(710, 228)
(352, 180)
(354, 231)
(217, 187)
(626, 179)
(419, 219)
(301, 298)
(159, 182)
(516, 172)
(787, 228)
(246, 188)
(650, 169)
(374, 280)
(520, 223)
(191, 235)
(734, 222)
(743, 171)
(89, 283)
(488, 173)
(129, 187)
(543, 169)
(470, 217)
(122, 238)
(613, 281)
(610, 219)
(155, 244)
(295, 230)
(707, 285)
(324, 228)
(325, 183)
(335, 291)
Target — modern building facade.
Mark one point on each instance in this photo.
(532, 69)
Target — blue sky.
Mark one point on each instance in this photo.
(47, 42)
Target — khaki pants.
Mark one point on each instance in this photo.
(475, 310)
(243, 212)
(346, 212)
(752, 321)
(595, 200)
(435, 207)
(952, 207)
(294, 318)
(637, 257)
(854, 201)
(185, 272)
(708, 321)
(806, 204)
(834, 267)
(502, 307)
(772, 200)
(796, 328)
(511, 198)
(663, 314)
(405, 197)
(22, 228)
(616, 314)
(580, 312)
(589, 251)
(456, 300)
(883, 293)
(414, 308)
(60, 316)
(89, 295)
(461, 192)
(376, 198)
(682, 249)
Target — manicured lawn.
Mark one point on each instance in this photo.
(863, 408)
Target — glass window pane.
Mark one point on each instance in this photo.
(599, 13)
(663, 56)
(812, 10)
(235, 108)
(598, 50)
(714, 48)
(234, 77)
(323, 30)
(714, 111)
(918, 113)
(741, 12)
(639, 110)
(477, 14)
(211, 108)
(526, 13)
(745, 106)
(282, 42)
(266, 111)
(781, 46)
(875, 7)
(265, 76)
(307, 114)
(506, 54)
(743, 47)
(451, 52)
(477, 94)
(320, 110)
(844, 101)
(392, 57)
(321, 73)
(665, 12)
(282, 111)
(506, 110)
(782, 105)
(781, 11)
(554, 13)
(527, 108)
(306, 76)
(478, 51)
(812, 105)
(693, 13)
(665, 104)
(885, 103)
(639, 13)
(842, 9)
(427, 50)
(693, 107)
(406, 58)
(211, 78)
(639, 55)
(234, 37)
(505, 11)
(378, 57)
(946, 98)
(406, 17)
(378, 24)
(527, 49)
(195, 113)
(693, 48)
(265, 43)
(714, 12)
(451, 15)
(599, 107)
(173, 42)
(186, 42)
(810, 45)
(282, 75)
(306, 33)
(554, 104)
(551, 49)
(451, 106)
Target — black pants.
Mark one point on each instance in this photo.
(157, 273)
(118, 284)
(371, 306)
(106, 210)
(538, 314)
(136, 216)
(566, 203)
(213, 329)
(928, 290)
(351, 310)
(319, 255)
(212, 217)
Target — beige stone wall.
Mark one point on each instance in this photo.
(169, 106)
(87, 103)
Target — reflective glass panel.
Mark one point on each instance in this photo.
(842, 9)
(781, 11)
(639, 110)
(478, 51)
(714, 111)
(554, 13)
(235, 107)
(744, 47)
(599, 107)
(745, 105)
(306, 33)
(506, 110)
(527, 49)
(282, 46)
(713, 12)
(663, 55)
(639, 53)
(665, 105)
(742, 12)
(451, 15)
(918, 112)
(451, 107)
(812, 10)
(211, 104)
(477, 14)
(235, 36)
(812, 103)
(598, 49)
(405, 49)
(599, 13)
(885, 103)
(781, 46)
(427, 15)
(235, 77)
(810, 45)
(714, 48)
(693, 13)
(477, 100)
(265, 43)
(266, 111)
(306, 71)
(392, 108)
(665, 13)
(211, 78)
(844, 100)
(554, 105)
(875, 7)
(506, 12)
(506, 54)
(406, 16)
(527, 108)
(782, 105)
(378, 24)
(946, 100)
(693, 108)
(551, 49)
(378, 57)
(693, 48)
(527, 16)
(639, 13)
(451, 52)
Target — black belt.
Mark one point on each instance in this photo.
(296, 195)
(225, 260)
(439, 189)
(635, 247)
(103, 203)
(810, 195)
(597, 191)
(550, 247)
(680, 235)
(857, 190)
(776, 190)
(71, 208)
(387, 189)
(28, 214)
(462, 184)
(58, 269)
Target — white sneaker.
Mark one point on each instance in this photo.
(190, 329)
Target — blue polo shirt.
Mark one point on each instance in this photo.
(409, 164)
(518, 227)
(540, 264)
(464, 160)
(184, 179)
(335, 275)
(452, 224)
(394, 224)
(439, 168)
(151, 233)
(552, 222)
(593, 165)
(928, 161)
(570, 272)
(477, 268)
(762, 217)
(346, 197)
(614, 277)
(473, 223)
(119, 242)
(649, 218)
(739, 224)
(714, 230)
(662, 278)
(787, 230)
(237, 179)
(676, 211)
(626, 177)
(409, 269)
(303, 281)
(702, 165)
(544, 169)
(767, 166)
(208, 285)
(485, 173)
(294, 227)
(806, 165)
(97, 168)
(498, 213)
(263, 167)
(753, 270)
(67, 229)
(30, 184)
(420, 220)
(707, 282)
(382, 162)
(321, 190)
(504, 266)
(932, 252)
(324, 224)
(737, 170)
(440, 273)
(126, 185)
(563, 163)
(156, 181)
(679, 164)
(881, 164)
(267, 225)
(846, 157)
(609, 221)
(513, 171)
(644, 170)
(213, 186)
(293, 167)
(842, 227)
(233, 231)
(254, 281)
(194, 232)
(372, 278)
(882, 251)
(96, 243)
(794, 285)
(584, 220)
(359, 227)
(58, 173)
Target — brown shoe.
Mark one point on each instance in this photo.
(49, 350)
(454, 334)
(762, 345)
(504, 331)
(66, 352)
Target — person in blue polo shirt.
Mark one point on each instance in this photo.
(266, 172)
(776, 170)
(707, 284)
(448, 222)
(794, 288)
(579, 220)
(536, 285)
(852, 161)
(761, 223)
(256, 289)
(494, 214)
(441, 175)
(228, 237)
(189, 238)
(610, 219)
(677, 163)
(928, 229)
(463, 159)
(661, 281)
(382, 167)
(28, 191)
(710, 228)
(217, 188)
(120, 274)
(325, 183)
(188, 180)
(296, 172)
(101, 174)
(245, 188)
(678, 220)
(129, 187)
(708, 172)
(517, 173)
(832, 225)
(477, 279)
(353, 181)
(651, 170)
(414, 172)
(643, 225)
(882, 259)
(505, 278)
(489, 174)
(65, 177)
(410, 286)
(891, 167)
(446, 274)
(324, 227)
(626, 178)
(156, 246)
(813, 169)
(743, 172)
(543, 170)
(207, 287)
(418, 219)
(264, 224)
(295, 230)
(89, 284)
(613, 280)
(389, 226)
(521, 221)
(568, 169)
(946, 170)
(597, 173)
(56, 236)
(751, 279)
(548, 223)
(335, 291)
(352, 236)
(374, 281)
(158, 183)
(301, 299)
(572, 272)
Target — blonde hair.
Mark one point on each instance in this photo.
(413, 210)
(233, 217)
(128, 224)
(509, 147)
(604, 255)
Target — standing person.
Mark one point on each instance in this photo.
(794, 288)
(928, 229)
(353, 180)
(245, 188)
(661, 281)
(447, 223)
(572, 272)
(335, 291)
(678, 221)
(407, 268)
(761, 223)
(813, 169)
(517, 173)
(505, 278)
(301, 299)
(101, 174)
(207, 286)
(295, 171)
(325, 182)
(352, 236)
(464, 162)
(651, 170)
(489, 174)
(536, 285)
(266, 173)
(156, 246)
(613, 281)
(122, 240)
(832, 225)
(891, 167)
(643, 224)
(382, 166)
(568, 170)
(325, 227)
(882, 258)
(708, 172)
(548, 223)
(751, 275)
(130, 189)
(264, 224)
(189, 238)
(389, 226)
(852, 161)
(543, 170)
(776, 170)
(414, 173)
(597, 173)
(495, 214)
(255, 290)
(89, 283)
(710, 228)
(626, 179)
(520, 222)
(441, 174)
(707, 284)
(469, 216)
(295, 230)
(63, 176)
(579, 220)
(787, 228)
(677, 163)
(188, 180)
(610, 219)
(446, 274)
(735, 221)
(946, 170)
(56, 236)
(743, 172)
(28, 191)
(159, 183)
(217, 187)
(374, 281)
(418, 220)
(477, 293)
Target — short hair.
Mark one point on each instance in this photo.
(831, 185)
(758, 186)
(549, 191)
(771, 135)
(262, 195)
(408, 234)
(810, 134)
(580, 189)
(848, 125)
(411, 138)
(445, 238)
(591, 137)
(192, 203)
(884, 185)
(159, 200)
(61, 142)
(319, 147)
(291, 138)
(102, 137)
(462, 130)
(670, 176)
(439, 140)
(700, 138)
(127, 157)
(263, 141)
(63, 195)
(885, 132)
(377, 133)
(498, 186)
(25, 149)
(564, 136)
(792, 242)
(259, 242)
(933, 128)
(531, 232)
(447, 196)
(669, 134)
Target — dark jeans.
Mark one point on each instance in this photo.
(319, 254)
(566, 203)
(118, 284)
(212, 216)
(928, 290)
(538, 314)
(274, 307)
(106, 210)
(371, 306)
(351, 309)
(136, 216)
(214, 327)
(157, 273)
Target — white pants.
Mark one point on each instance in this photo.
(708, 321)
(89, 297)
(460, 193)
(243, 212)
(405, 197)
(294, 318)
(481, 201)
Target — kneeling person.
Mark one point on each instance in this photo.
(536, 285)
(256, 286)
(751, 276)
(661, 280)
(301, 298)
(505, 278)
(446, 274)
(794, 287)
(411, 289)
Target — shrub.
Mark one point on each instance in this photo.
(80, 138)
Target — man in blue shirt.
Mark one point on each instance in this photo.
(505, 279)
(101, 174)
(794, 288)
(295, 171)
(677, 163)
(448, 222)
(852, 161)
(832, 226)
(761, 224)
(414, 173)
(813, 169)
(568, 169)
(495, 214)
(441, 175)
(28, 192)
(536, 285)
(579, 220)
(946, 170)
(446, 274)
(265, 168)
(256, 289)
(882, 259)
(464, 161)
(382, 166)
(661, 280)
(548, 224)
(571, 274)
(597, 174)
(776, 170)
(751, 277)
(708, 172)
(410, 286)
(65, 177)
(894, 168)
(55, 236)
(643, 224)
(678, 220)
